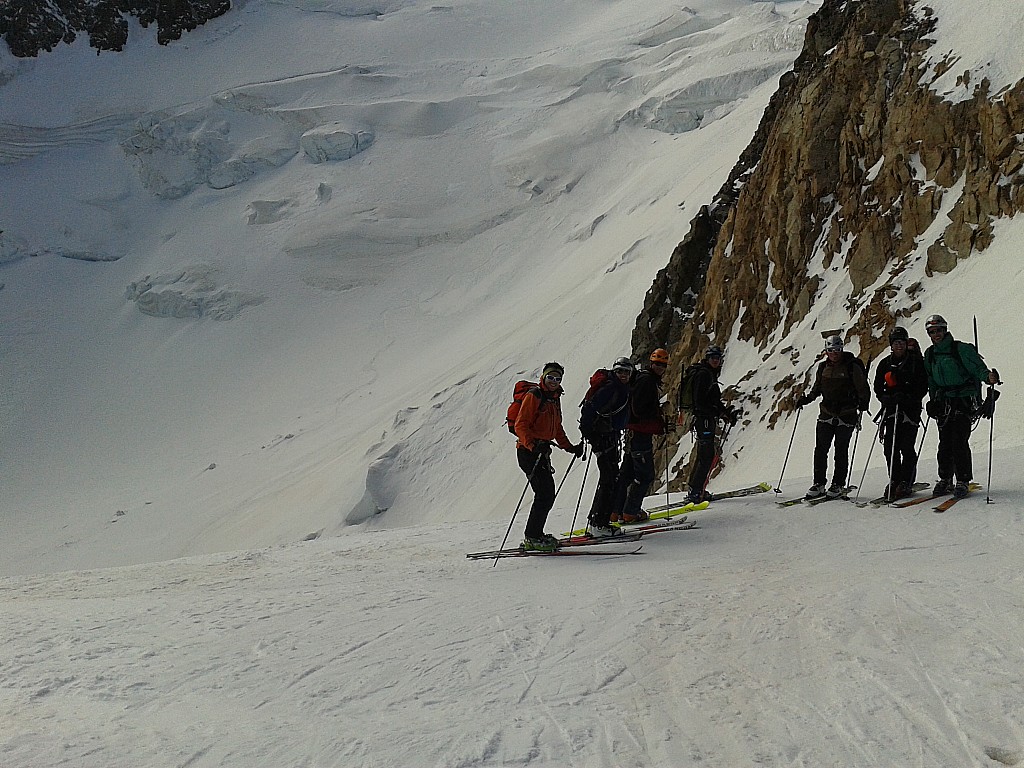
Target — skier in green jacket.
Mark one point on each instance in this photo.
(955, 375)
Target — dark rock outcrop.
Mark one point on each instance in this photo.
(853, 164)
(31, 26)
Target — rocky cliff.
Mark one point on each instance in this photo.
(31, 26)
(860, 184)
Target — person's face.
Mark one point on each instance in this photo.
(833, 355)
(552, 381)
(658, 368)
(899, 348)
(715, 362)
(622, 374)
(936, 334)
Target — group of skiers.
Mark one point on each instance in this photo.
(950, 372)
(621, 400)
(622, 413)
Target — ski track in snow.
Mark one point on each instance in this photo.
(765, 637)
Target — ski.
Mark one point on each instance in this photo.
(674, 526)
(631, 533)
(580, 538)
(573, 551)
(815, 500)
(753, 490)
(750, 491)
(666, 514)
(945, 505)
(933, 497)
(790, 502)
(883, 501)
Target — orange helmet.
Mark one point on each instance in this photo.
(659, 356)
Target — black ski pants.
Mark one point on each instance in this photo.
(537, 467)
(827, 433)
(637, 473)
(900, 444)
(605, 447)
(954, 456)
(704, 434)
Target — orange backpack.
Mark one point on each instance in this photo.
(522, 387)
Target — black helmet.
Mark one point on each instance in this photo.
(623, 364)
(935, 321)
(833, 343)
(898, 334)
(713, 351)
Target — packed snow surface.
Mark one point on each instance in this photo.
(264, 293)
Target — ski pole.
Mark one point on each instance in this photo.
(991, 432)
(778, 488)
(988, 484)
(664, 444)
(853, 456)
(719, 443)
(920, 445)
(866, 463)
(892, 450)
(522, 496)
(580, 499)
(565, 476)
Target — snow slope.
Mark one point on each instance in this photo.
(512, 209)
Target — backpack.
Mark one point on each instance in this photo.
(685, 399)
(599, 378)
(523, 386)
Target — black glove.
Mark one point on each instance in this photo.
(888, 401)
(731, 415)
(542, 448)
(863, 407)
(579, 451)
(936, 409)
(804, 400)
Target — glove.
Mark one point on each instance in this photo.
(888, 401)
(936, 409)
(732, 415)
(579, 451)
(804, 400)
(542, 448)
(863, 407)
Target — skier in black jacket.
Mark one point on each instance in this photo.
(900, 385)
(604, 413)
(842, 383)
(645, 421)
(708, 408)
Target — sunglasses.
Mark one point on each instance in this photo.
(936, 331)
(554, 378)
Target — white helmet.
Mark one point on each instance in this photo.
(833, 343)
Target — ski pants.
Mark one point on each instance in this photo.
(704, 434)
(605, 447)
(954, 456)
(900, 447)
(637, 473)
(826, 433)
(537, 468)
